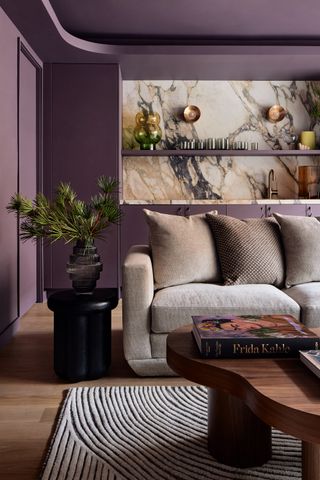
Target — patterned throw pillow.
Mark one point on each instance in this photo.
(183, 249)
(301, 240)
(250, 251)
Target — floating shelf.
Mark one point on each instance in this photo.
(221, 153)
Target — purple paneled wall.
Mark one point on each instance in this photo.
(82, 143)
(27, 174)
(18, 160)
(8, 176)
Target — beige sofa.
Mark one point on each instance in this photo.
(150, 312)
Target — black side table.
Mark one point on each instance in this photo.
(82, 333)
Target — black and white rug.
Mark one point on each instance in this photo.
(149, 433)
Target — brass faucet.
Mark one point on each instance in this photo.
(272, 189)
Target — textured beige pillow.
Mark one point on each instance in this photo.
(301, 241)
(183, 249)
(250, 251)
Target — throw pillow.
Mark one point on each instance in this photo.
(250, 251)
(301, 240)
(183, 249)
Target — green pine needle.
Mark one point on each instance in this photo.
(67, 217)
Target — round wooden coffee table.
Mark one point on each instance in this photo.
(246, 397)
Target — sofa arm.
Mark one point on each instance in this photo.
(137, 296)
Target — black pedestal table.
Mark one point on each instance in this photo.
(82, 333)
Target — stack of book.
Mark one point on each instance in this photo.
(311, 358)
(249, 336)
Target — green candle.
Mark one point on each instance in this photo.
(308, 138)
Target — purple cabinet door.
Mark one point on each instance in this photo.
(246, 211)
(81, 143)
(197, 209)
(298, 210)
(8, 178)
(27, 174)
(313, 210)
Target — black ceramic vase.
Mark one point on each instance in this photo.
(84, 268)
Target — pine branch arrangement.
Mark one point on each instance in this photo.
(67, 217)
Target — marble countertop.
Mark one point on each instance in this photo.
(262, 201)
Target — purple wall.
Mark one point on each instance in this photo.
(9, 174)
(17, 138)
(81, 143)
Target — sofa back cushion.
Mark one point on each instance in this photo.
(183, 249)
(250, 251)
(301, 240)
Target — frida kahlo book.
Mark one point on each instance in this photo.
(249, 336)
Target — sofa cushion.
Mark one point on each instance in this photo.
(307, 295)
(183, 249)
(173, 306)
(250, 251)
(301, 240)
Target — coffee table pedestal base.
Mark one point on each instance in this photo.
(236, 437)
(310, 461)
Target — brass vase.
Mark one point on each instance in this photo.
(147, 132)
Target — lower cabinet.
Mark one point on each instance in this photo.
(198, 209)
(259, 211)
(313, 210)
(246, 211)
(299, 210)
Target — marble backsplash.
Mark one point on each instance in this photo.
(233, 109)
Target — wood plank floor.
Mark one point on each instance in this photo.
(30, 392)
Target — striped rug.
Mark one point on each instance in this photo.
(151, 433)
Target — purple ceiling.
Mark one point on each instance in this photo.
(50, 36)
(190, 20)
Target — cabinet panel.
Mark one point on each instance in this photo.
(28, 141)
(18, 162)
(313, 210)
(84, 137)
(246, 211)
(299, 210)
(197, 209)
(9, 175)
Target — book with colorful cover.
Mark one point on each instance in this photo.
(249, 336)
(311, 358)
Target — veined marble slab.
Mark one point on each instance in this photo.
(233, 109)
(265, 201)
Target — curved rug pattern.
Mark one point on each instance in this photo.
(149, 433)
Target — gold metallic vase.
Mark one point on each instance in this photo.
(147, 132)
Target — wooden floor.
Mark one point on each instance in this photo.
(30, 392)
